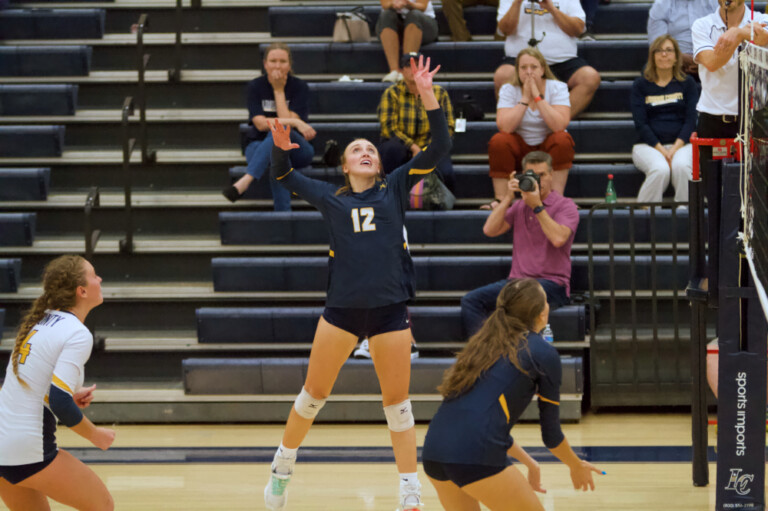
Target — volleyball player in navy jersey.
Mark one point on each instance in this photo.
(492, 382)
(370, 281)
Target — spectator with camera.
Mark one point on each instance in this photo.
(405, 128)
(532, 114)
(543, 225)
(555, 32)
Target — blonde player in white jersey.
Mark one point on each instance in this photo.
(44, 378)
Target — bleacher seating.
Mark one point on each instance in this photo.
(330, 98)
(481, 20)
(17, 229)
(472, 180)
(469, 57)
(45, 60)
(31, 140)
(589, 136)
(52, 23)
(442, 273)
(280, 325)
(286, 375)
(48, 99)
(10, 277)
(439, 227)
(24, 184)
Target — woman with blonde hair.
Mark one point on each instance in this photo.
(532, 114)
(493, 380)
(370, 281)
(43, 382)
(663, 103)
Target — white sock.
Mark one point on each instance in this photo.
(410, 478)
(285, 452)
(284, 460)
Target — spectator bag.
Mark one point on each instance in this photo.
(351, 27)
(431, 193)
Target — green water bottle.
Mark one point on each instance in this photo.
(610, 191)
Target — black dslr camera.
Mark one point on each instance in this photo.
(526, 180)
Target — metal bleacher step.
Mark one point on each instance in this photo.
(76, 156)
(159, 115)
(244, 75)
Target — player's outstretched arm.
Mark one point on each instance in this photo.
(534, 471)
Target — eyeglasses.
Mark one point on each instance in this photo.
(664, 50)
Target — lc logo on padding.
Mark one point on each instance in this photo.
(738, 483)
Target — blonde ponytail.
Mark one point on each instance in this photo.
(61, 278)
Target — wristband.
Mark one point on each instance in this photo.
(521, 103)
(537, 99)
(538, 209)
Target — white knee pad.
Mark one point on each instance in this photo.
(399, 416)
(307, 406)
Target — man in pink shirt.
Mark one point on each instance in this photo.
(543, 224)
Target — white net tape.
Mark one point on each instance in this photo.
(754, 98)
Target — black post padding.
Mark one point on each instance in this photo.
(698, 298)
(742, 369)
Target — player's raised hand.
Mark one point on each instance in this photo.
(422, 75)
(281, 136)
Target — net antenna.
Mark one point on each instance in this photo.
(753, 135)
(533, 42)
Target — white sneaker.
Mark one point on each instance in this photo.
(275, 493)
(362, 351)
(393, 76)
(414, 352)
(410, 497)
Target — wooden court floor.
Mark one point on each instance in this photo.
(355, 486)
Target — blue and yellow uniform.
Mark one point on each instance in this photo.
(474, 427)
(369, 262)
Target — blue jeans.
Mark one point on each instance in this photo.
(258, 154)
(478, 304)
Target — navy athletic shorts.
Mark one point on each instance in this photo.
(461, 474)
(15, 474)
(369, 322)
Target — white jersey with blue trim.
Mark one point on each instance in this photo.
(54, 352)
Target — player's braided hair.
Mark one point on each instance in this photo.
(518, 305)
(61, 278)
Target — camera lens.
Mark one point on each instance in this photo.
(526, 184)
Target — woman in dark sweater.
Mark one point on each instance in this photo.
(664, 110)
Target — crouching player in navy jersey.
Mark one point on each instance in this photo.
(44, 381)
(492, 382)
(370, 281)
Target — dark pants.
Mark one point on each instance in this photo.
(590, 9)
(393, 153)
(712, 126)
(478, 304)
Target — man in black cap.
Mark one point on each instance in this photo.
(404, 124)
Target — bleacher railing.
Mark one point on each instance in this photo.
(174, 74)
(142, 61)
(620, 349)
(126, 244)
(91, 235)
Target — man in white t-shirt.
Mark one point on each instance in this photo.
(557, 25)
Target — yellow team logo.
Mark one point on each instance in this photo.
(26, 347)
